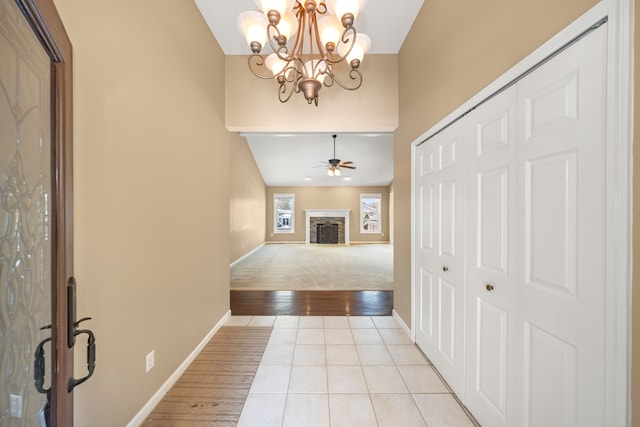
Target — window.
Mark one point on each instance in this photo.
(370, 213)
(283, 213)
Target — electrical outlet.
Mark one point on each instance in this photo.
(15, 403)
(151, 360)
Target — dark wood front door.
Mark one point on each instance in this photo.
(36, 234)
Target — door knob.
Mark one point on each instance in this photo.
(445, 268)
(489, 287)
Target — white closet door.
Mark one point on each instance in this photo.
(493, 338)
(561, 236)
(439, 252)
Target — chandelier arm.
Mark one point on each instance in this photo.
(256, 62)
(301, 15)
(296, 45)
(298, 67)
(288, 73)
(351, 31)
(285, 93)
(296, 87)
(313, 28)
(273, 36)
(329, 79)
(354, 74)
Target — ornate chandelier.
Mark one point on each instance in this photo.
(324, 37)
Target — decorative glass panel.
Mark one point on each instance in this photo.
(25, 215)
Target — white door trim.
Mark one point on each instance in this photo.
(619, 151)
(618, 187)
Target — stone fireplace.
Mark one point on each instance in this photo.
(334, 220)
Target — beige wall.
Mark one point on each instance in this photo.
(151, 194)
(246, 201)
(454, 49)
(328, 198)
(372, 108)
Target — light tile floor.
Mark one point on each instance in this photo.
(344, 371)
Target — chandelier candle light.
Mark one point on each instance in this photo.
(324, 37)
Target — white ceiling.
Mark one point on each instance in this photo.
(287, 159)
(297, 159)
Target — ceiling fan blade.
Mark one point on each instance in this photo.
(345, 163)
(348, 167)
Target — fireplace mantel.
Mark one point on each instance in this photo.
(315, 213)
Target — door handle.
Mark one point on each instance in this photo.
(71, 312)
(38, 375)
(489, 287)
(73, 332)
(39, 365)
(91, 356)
(445, 269)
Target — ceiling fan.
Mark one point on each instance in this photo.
(334, 165)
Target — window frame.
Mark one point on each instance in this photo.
(361, 219)
(292, 227)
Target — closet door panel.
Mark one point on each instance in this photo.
(426, 250)
(491, 358)
(448, 321)
(447, 215)
(426, 217)
(491, 298)
(493, 219)
(553, 360)
(550, 223)
(561, 229)
(426, 310)
(439, 261)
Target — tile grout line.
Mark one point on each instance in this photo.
(403, 379)
(386, 346)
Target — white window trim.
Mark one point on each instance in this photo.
(360, 217)
(275, 213)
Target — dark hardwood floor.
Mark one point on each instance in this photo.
(312, 303)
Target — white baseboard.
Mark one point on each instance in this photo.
(370, 242)
(246, 255)
(164, 389)
(401, 322)
(364, 242)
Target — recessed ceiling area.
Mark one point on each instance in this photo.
(300, 159)
(385, 21)
(296, 159)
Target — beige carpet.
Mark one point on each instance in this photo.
(296, 267)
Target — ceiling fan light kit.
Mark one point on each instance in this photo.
(324, 37)
(334, 165)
